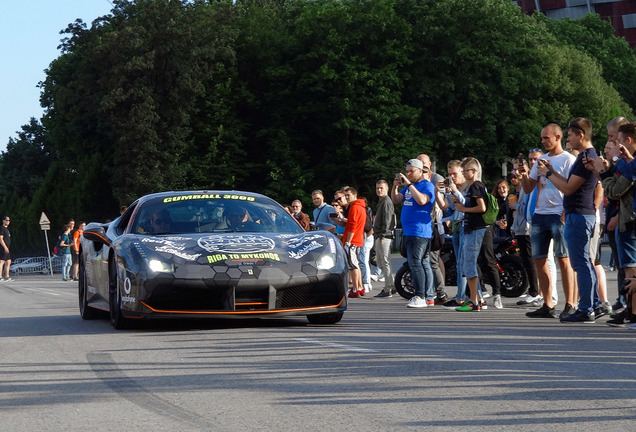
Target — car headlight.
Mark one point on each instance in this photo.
(160, 266)
(326, 262)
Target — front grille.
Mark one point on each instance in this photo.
(319, 294)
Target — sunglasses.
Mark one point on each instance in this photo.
(468, 170)
(535, 150)
(573, 125)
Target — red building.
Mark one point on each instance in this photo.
(622, 14)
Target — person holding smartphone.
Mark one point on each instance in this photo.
(547, 226)
(417, 196)
(578, 188)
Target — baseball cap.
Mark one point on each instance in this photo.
(415, 163)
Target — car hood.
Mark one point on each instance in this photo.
(228, 248)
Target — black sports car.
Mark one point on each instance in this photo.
(209, 254)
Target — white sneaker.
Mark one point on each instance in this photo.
(485, 295)
(382, 279)
(367, 288)
(416, 302)
(374, 278)
(527, 299)
(497, 302)
(8, 279)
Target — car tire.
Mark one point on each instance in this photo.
(117, 318)
(328, 318)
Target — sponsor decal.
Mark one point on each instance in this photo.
(128, 299)
(208, 196)
(236, 244)
(212, 259)
(170, 247)
(298, 254)
(127, 288)
(176, 252)
(300, 241)
(332, 246)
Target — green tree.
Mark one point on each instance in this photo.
(595, 37)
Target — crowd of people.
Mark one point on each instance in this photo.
(556, 203)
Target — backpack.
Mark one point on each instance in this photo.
(492, 209)
(368, 224)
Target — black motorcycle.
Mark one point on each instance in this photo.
(512, 274)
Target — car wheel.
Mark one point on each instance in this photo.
(86, 312)
(328, 318)
(117, 319)
(404, 283)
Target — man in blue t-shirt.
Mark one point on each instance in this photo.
(417, 197)
(322, 210)
(580, 215)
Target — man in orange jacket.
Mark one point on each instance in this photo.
(353, 238)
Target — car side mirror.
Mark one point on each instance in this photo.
(97, 235)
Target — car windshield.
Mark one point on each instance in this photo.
(212, 213)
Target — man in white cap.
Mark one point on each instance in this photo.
(417, 196)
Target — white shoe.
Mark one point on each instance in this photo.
(367, 288)
(527, 299)
(374, 278)
(485, 295)
(497, 302)
(416, 302)
(382, 279)
(7, 279)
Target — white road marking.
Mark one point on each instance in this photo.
(335, 345)
(54, 293)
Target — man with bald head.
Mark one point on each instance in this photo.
(547, 224)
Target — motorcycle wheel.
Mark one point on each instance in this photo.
(514, 279)
(403, 282)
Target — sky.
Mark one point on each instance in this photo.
(30, 35)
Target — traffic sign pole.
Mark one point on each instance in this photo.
(45, 225)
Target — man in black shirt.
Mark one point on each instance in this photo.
(5, 256)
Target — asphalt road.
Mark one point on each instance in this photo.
(383, 368)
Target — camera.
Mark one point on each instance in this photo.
(333, 215)
(448, 181)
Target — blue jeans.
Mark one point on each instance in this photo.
(544, 229)
(67, 261)
(471, 245)
(364, 254)
(417, 249)
(578, 231)
(626, 248)
(461, 280)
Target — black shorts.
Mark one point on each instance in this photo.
(74, 257)
(5, 256)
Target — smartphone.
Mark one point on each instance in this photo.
(520, 159)
(333, 215)
(398, 177)
(448, 181)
